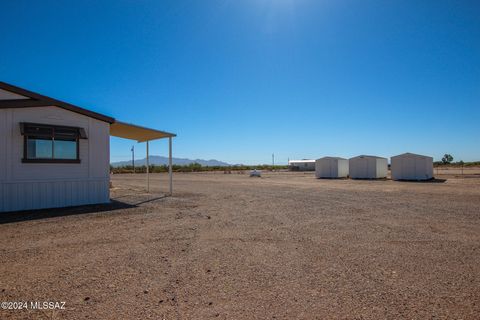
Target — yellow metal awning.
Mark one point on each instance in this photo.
(134, 132)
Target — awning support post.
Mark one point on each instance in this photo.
(170, 173)
(148, 171)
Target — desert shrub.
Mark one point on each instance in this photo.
(193, 167)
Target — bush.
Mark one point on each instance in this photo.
(193, 167)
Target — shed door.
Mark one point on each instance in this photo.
(408, 168)
(420, 169)
(362, 168)
(325, 169)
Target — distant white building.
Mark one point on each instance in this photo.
(301, 165)
(368, 167)
(410, 166)
(331, 167)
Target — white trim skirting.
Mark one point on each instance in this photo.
(30, 195)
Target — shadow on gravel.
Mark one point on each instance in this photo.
(19, 216)
(434, 180)
(150, 200)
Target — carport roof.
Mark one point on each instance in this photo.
(134, 132)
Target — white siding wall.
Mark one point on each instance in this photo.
(323, 168)
(26, 186)
(7, 95)
(382, 168)
(343, 168)
(3, 155)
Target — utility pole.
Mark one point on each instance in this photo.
(133, 158)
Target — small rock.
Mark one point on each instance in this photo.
(210, 303)
(86, 299)
(208, 271)
(161, 301)
(146, 291)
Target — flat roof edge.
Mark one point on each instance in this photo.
(145, 128)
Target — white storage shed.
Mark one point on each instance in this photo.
(55, 154)
(301, 165)
(368, 167)
(410, 166)
(331, 167)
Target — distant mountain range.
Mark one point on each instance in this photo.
(160, 160)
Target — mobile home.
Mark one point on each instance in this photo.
(301, 165)
(55, 154)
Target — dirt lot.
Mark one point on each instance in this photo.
(226, 246)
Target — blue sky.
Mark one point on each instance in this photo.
(240, 80)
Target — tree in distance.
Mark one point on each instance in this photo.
(447, 158)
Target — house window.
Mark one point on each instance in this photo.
(51, 144)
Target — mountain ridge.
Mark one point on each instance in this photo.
(161, 160)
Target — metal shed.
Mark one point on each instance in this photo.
(410, 166)
(301, 165)
(331, 167)
(368, 167)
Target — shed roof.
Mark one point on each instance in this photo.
(368, 156)
(337, 158)
(408, 154)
